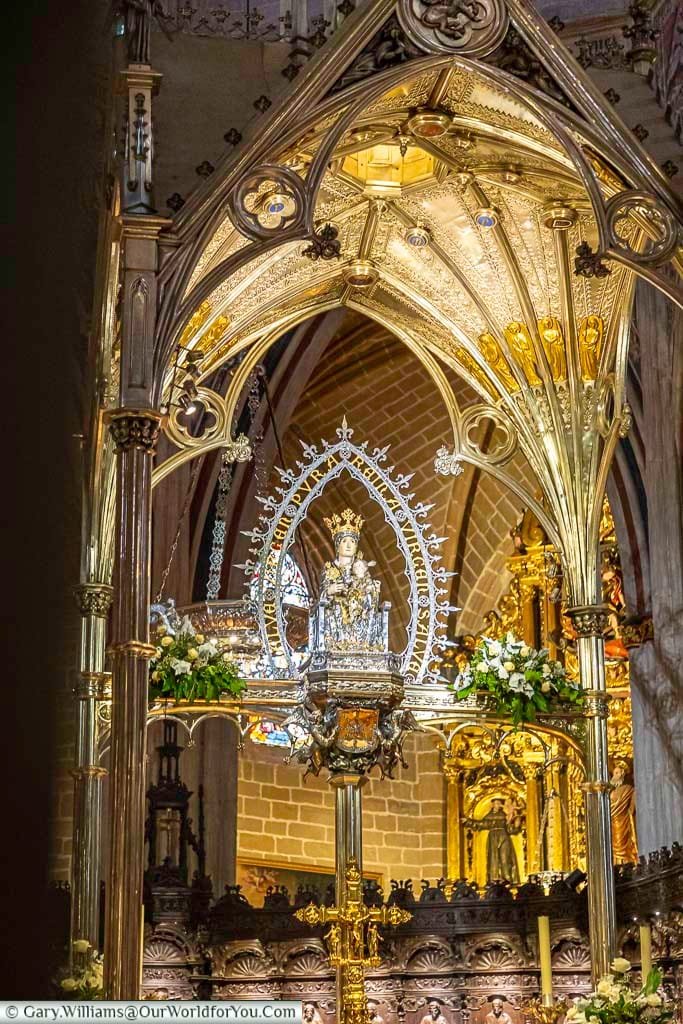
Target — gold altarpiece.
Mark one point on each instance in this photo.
(537, 772)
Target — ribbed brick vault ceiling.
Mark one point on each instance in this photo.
(336, 364)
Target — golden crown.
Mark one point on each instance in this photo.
(347, 522)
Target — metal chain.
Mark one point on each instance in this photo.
(225, 478)
(218, 538)
(185, 509)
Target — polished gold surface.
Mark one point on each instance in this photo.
(353, 941)
(552, 384)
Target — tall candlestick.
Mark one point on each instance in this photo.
(645, 950)
(544, 957)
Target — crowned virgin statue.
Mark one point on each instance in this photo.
(349, 614)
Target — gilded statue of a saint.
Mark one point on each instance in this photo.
(553, 343)
(590, 345)
(522, 348)
(501, 859)
(623, 814)
(348, 592)
(491, 351)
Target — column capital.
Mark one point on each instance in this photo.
(94, 599)
(135, 429)
(451, 767)
(589, 619)
(146, 226)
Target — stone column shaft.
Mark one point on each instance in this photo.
(135, 434)
(93, 600)
(589, 624)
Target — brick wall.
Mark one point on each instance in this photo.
(282, 818)
(389, 398)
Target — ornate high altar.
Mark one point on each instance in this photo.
(501, 243)
(516, 830)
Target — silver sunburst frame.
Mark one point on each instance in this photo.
(286, 510)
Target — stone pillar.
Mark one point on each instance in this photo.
(94, 600)
(657, 665)
(589, 623)
(135, 430)
(135, 434)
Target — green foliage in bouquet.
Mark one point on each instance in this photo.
(84, 981)
(521, 680)
(615, 1002)
(189, 667)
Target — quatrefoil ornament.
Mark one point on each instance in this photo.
(269, 201)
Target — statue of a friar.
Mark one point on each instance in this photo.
(349, 596)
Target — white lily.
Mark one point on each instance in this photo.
(180, 667)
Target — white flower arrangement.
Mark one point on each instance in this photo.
(615, 1002)
(86, 981)
(521, 680)
(187, 666)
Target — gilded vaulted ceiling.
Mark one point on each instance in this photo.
(389, 174)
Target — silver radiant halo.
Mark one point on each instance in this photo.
(286, 509)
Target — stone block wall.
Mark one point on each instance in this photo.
(282, 818)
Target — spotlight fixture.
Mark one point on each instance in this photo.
(360, 274)
(575, 879)
(429, 124)
(486, 217)
(278, 204)
(417, 236)
(187, 404)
